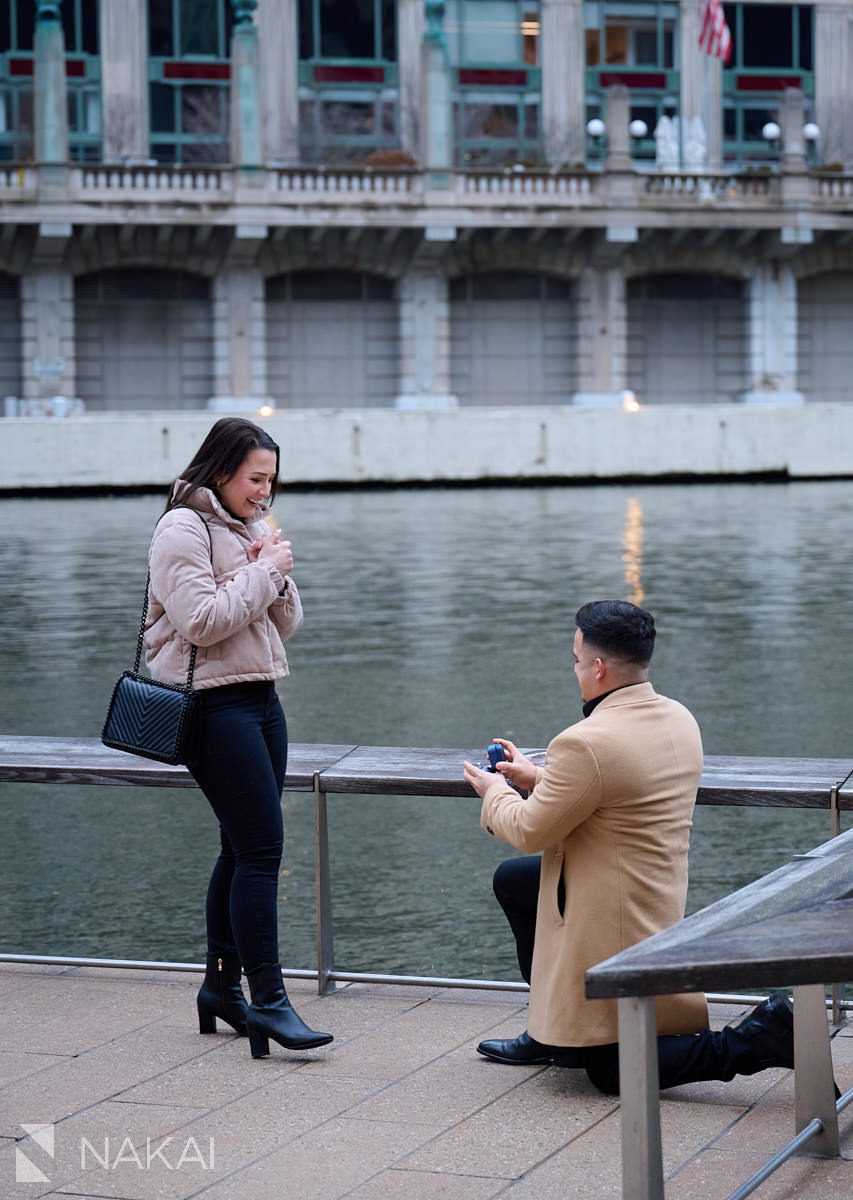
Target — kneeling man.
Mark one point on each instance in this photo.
(605, 829)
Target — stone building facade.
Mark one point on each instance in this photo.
(424, 205)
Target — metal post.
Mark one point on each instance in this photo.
(639, 1090)
(834, 812)
(834, 831)
(323, 886)
(814, 1094)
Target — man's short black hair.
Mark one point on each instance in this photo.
(618, 628)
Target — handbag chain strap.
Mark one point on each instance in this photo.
(140, 640)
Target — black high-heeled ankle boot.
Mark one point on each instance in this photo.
(221, 995)
(271, 1015)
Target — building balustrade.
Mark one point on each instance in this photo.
(711, 185)
(148, 179)
(834, 188)
(355, 181)
(21, 181)
(527, 183)
(348, 188)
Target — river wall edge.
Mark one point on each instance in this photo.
(346, 447)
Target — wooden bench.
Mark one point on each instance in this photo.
(793, 928)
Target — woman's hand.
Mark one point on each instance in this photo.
(517, 769)
(257, 544)
(279, 553)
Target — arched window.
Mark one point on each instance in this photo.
(144, 340)
(332, 339)
(687, 339)
(512, 339)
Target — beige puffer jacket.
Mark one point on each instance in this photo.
(205, 592)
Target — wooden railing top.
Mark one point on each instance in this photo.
(408, 770)
(792, 927)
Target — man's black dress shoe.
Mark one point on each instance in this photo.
(769, 1032)
(524, 1051)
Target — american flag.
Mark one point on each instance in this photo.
(714, 36)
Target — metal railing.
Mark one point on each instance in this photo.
(106, 767)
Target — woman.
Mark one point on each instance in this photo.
(221, 581)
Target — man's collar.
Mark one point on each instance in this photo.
(590, 705)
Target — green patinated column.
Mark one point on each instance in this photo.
(245, 88)
(437, 113)
(51, 103)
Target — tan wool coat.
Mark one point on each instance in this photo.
(611, 812)
(205, 592)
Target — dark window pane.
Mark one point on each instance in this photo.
(378, 288)
(162, 99)
(203, 109)
(729, 12)
(348, 117)
(388, 118)
(26, 12)
(506, 285)
(557, 289)
(531, 120)
(164, 152)
(205, 153)
(140, 283)
(161, 35)
(646, 47)
(347, 30)
(89, 26)
(806, 54)
(647, 113)
(278, 287)
(86, 287)
(389, 30)
(326, 285)
(306, 28)
(200, 27)
(593, 47)
(685, 287)
(459, 288)
(767, 35)
(69, 26)
(754, 120)
(729, 123)
(501, 121)
(8, 287)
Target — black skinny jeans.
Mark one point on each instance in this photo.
(240, 767)
(682, 1058)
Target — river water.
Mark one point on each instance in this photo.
(433, 617)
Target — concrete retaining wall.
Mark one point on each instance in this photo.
(380, 445)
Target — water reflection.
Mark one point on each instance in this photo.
(432, 618)
(633, 555)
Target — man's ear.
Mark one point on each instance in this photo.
(600, 668)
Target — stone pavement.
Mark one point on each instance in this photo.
(399, 1107)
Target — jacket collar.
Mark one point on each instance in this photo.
(634, 693)
(204, 501)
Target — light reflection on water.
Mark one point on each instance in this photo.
(434, 617)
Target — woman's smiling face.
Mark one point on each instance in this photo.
(250, 485)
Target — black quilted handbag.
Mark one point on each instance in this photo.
(152, 719)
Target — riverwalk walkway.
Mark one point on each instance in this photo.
(399, 1107)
